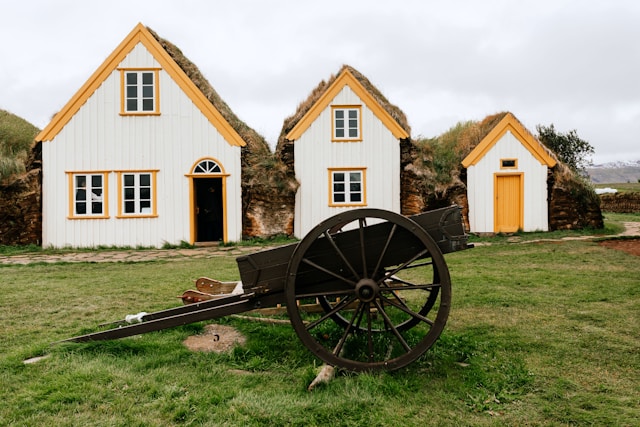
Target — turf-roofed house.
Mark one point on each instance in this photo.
(144, 154)
(344, 144)
(504, 179)
(507, 179)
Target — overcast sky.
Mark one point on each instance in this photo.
(571, 63)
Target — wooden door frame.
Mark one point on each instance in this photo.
(192, 198)
(496, 177)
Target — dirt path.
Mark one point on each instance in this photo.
(631, 229)
(631, 246)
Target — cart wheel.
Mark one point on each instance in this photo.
(383, 284)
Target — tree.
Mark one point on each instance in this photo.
(569, 147)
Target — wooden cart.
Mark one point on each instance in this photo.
(380, 279)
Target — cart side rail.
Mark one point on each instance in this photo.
(265, 271)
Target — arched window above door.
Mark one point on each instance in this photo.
(207, 167)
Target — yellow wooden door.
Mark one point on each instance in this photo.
(508, 213)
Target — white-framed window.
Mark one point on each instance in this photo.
(137, 193)
(88, 195)
(140, 91)
(346, 123)
(347, 187)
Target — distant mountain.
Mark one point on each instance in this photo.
(615, 172)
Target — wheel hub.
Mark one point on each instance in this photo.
(367, 290)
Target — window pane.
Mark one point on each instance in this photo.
(338, 198)
(81, 207)
(339, 114)
(81, 194)
(147, 78)
(339, 124)
(129, 194)
(147, 105)
(132, 91)
(147, 91)
(354, 176)
(129, 207)
(353, 133)
(132, 105)
(128, 180)
(145, 193)
(96, 207)
(354, 187)
(338, 176)
(145, 180)
(132, 78)
(96, 181)
(356, 197)
(81, 181)
(353, 114)
(145, 204)
(339, 133)
(338, 187)
(353, 124)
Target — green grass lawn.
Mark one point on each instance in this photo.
(540, 333)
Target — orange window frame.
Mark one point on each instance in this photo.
(153, 194)
(72, 191)
(156, 93)
(508, 162)
(363, 183)
(346, 108)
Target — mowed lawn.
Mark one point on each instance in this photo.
(544, 333)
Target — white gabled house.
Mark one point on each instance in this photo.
(346, 150)
(140, 156)
(507, 180)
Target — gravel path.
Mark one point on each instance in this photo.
(129, 255)
(631, 229)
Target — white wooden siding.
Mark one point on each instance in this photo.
(314, 153)
(480, 186)
(97, 138)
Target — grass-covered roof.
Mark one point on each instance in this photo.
(303, 108)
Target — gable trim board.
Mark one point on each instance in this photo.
(509, 124)
(140, 34)
(346, 78)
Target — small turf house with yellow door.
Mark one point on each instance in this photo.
(144, 154)
(507, 180)
(344, 144)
